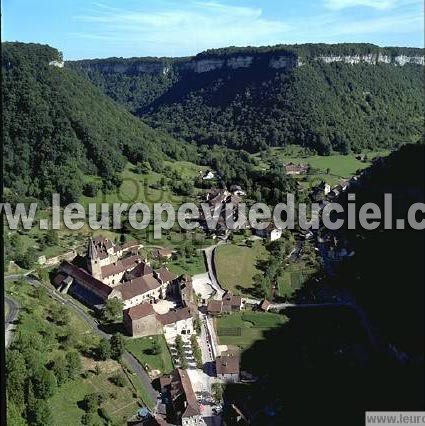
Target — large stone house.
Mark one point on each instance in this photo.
(227, 367)
(229, 303)
(177, 321)
(142, 320)
(82, 285)
(142, 289)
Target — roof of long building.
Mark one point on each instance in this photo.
(85, 279)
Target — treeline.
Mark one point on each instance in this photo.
(57, 127)
(311, 50)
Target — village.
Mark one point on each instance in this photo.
(157, 302)
(183, 309)
(186, 330)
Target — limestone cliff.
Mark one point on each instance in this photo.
(285, 58)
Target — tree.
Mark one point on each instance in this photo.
(69, 338)
(113, 309)
(104, 350)
(28, 259)
(197, 353)
(156, 347)
(41, 414)
(87, 418)
(119, 380)
(16, 373)
(60, 369)
(60, 314)
(73, 364)
(51, 238)
(117, 346)
(97, 369)
(40, 291)
(44, 383)
(217, 390)
(197, 325)
(90, 189)
(91, 402)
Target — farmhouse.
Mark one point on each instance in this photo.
(176, 321)
(323, 188)
(265, 305)
(237, 190)
(141, 289)
(208, 175)
(271, 232)
(162, 253)
(228, 304)
(295, 169)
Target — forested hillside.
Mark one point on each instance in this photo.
(57, 127)
(325, 106)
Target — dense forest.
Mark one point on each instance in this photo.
(57, 127)
(326, 107)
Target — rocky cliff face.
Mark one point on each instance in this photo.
(373, 59)
(203, 65)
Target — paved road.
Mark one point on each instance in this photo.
(94, 325)
(209, 256)
(12, 315)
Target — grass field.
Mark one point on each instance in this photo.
(340, 166)
(236, 265)
(245, 328)
(120, 402)
(192, 266)
(140, 348)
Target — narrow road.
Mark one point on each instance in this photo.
(209, 257)
(94, 325)
(11, 317)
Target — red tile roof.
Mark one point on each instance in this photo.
(227, 364)
(175, 315)
(138, 286)
(120, 266)
(140, 311)
(192, 408)
(165, 275)
(141, 269)
(214, 306)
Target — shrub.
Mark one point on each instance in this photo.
(119, 380)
